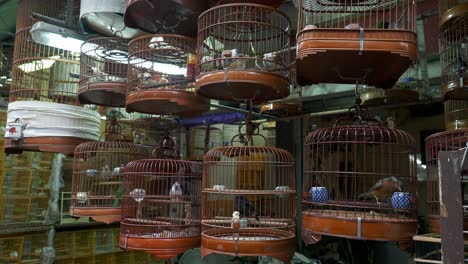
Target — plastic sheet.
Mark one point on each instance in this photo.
(48, 252)
(43, 119)
(54, 185)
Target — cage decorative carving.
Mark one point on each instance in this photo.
(456, 114)
(98, 175)
(161, 203)
(454, 51)
(444, 141)
(359, 182)
(346, 41)
(248, 201)
(162, 75)
(103, 72)
(243, 53)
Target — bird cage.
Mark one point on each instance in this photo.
(202, 139)
(454, 50)
(49, 127)
(248, 201)
(346, 41)
(162, 75)
(456, 114)
(161, 203)
(243, 53)
(98, 174)
(444, 141)
(359, 182)
(406, 88)
(6, 64)
(371, 95)
(103, 71)
(272, 3)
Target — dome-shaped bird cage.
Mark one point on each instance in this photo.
(103, 72)
(161, 203)
(444, 141)
(203, 139)
(162, 75)
(243, 53)
(456, 114)
(164, 16)
(454, 51)
(98, 175)
(248, 201)
(272, 3)
(344, 41)
(359, 182)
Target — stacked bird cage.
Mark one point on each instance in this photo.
(161, 205)
(248, 200)
(161, 76)
(359, 182)
(103, 72)
(98, 174)
(456, 114)
(202, 139)
(243, 53)
(349, 41)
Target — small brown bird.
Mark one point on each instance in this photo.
(383, 189)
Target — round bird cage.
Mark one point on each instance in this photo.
(371, 95)
(456, 114)
(454, 51)
(164, 16)
(203, 139)
(349, 41)
(243, 53)
(98, 168)
(161, 204)
(444, 141)
(359, 182)
(248, 201)
(272, 3)
(103, 72)
(162, 75)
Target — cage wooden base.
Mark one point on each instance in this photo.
(434, 225)
(165, 101)
(453, 13)
(163, 248)
(454, 91)
(381, 228)
(65, 145)
(274, 243)
(233, 85)
(99, 214)
(281, 109)
(333, 56)
(103, 93)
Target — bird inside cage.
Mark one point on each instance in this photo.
(383, 190)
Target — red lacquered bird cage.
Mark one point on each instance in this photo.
(98, 175)
(359, 182)
(456, 114)
(454, 49)
(161, 203)
(162, 75)
(243, 53)
(248, 201)
(103, 72)
(444, 141)
(346, 41)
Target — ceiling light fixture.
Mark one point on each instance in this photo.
(55, 36)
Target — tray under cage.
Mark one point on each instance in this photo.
(161, 77)
(103, 71)
(97, 178)
(444, 141)
(248, 193)
(453, 40)
(164, 16)
(161, 206)
(347, 41)
(456, 114)
(243, 53)
(359, 182)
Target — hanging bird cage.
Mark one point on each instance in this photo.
(346, 41)
(162, 75)
(98, 174)
(164, 16)
(456, 114)
(243, 53)
(272, 3)
(454, 50)
(161, 203)
(103, 72)
(359, 182)
(202, 139)
(444, 141)
(371, 95)
(248, 200)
